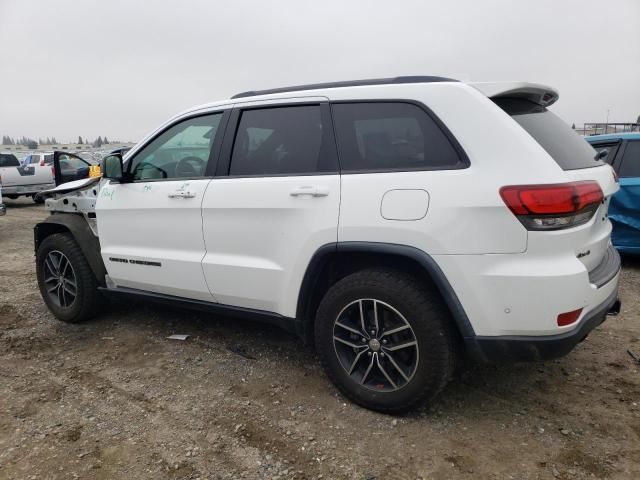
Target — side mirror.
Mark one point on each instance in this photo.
(111, 167)
(602, 154)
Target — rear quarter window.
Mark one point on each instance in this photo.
(566, 147)
(382, 136)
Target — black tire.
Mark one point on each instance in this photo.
(430, 324)
(37, 198)
(88, 300)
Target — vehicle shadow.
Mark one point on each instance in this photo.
(20, 203)
(630, 261)
(473, 388)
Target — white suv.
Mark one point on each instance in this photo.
(397, 223)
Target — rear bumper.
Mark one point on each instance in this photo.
(544, 347)
(26, 189)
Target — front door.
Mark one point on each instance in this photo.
(68, 167)
(150, 229)
(276, 204)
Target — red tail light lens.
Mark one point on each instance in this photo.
(553, 206)
(568, 318)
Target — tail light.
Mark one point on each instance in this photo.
(553, 206)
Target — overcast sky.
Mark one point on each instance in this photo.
(120, 68)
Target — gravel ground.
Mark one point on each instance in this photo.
(114, 398)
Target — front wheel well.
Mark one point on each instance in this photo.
(333, 263)
(75, 225)
(45, 229)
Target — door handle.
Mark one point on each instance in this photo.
(181, 194)
(312, 190)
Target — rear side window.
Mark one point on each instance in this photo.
(631, 160)
(391, 136)
(48, 159)
(566, 147)
(8, 160)
(283, 141)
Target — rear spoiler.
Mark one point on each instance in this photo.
(534, 92)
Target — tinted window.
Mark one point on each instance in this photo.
(8, 160)
(182, 151)
(48, 159)
(610, 150)
(631, 160)
(283, 140)
(396, 136)
(68, 162)
(566, 147)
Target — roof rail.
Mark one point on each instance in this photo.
(349, 83)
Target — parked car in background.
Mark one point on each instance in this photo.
(121, 150)
(398, 223)
(24, 180)
(622, 152)
(38, 159)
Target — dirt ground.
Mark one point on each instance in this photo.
(114, 398)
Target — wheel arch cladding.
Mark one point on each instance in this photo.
(332, 262)
(79, 229)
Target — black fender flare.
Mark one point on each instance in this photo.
(426, 262)
(77, 225)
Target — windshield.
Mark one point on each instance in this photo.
(566, 147)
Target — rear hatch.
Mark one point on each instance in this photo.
(586, 231)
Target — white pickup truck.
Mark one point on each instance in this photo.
(28, 180)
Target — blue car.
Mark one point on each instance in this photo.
(622, 152)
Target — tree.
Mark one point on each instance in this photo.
(80, 141)
(573, 126)
(105, 140)
(54, 141)
(98, 142)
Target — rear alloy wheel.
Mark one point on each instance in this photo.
(67, 283)
(385, 340)
(375, 345)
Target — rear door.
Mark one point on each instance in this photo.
(151, 228)
(275, 203)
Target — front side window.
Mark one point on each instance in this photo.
(69, 162)
(182, 151)
(282, 141)
(391, 136)
(609, 149)
(631, 160)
